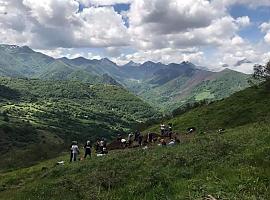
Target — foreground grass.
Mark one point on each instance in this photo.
(235, 165)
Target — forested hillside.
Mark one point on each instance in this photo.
(35, 111)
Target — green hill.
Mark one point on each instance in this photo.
(23, 62)
(248, 106)
(232, 165)
(35, 111)
(193, 86)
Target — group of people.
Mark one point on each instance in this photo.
(101, 144)
(100, 147)
(166, 130)
(137, 136)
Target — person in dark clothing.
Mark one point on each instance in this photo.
(137, 134)
(177, 141)
(87, 149)
(103, 146)
(150, 137)
(119, 137)
(162, 129)
(170, 127)
(98, 145)
(129, 140)
(140, 139)
(103, 142)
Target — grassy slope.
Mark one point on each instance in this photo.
(231, 166)
(244, 107)
(234, 165)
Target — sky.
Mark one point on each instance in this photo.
(210, 33)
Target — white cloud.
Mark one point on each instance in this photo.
(170, 16)
(57, 23)
(243, 21)
(103, 2)
(237, 40)
(267, 37)
(250, 3)
(265, 28)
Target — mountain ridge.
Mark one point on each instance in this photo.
(152, 81)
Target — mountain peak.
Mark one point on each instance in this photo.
(149, 63)
(80, 58)
(107, 61)
(187, 63)
(132, 64)
(16, 48)
(228, 70)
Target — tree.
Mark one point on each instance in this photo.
(262, 72)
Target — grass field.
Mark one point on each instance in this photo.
(234, 165)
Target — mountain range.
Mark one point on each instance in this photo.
(165, 86)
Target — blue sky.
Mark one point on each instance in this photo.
(257, 17)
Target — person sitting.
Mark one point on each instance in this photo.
(119, 137)
(87, 149)
(177, 141)
(163, 142)
(104, 150)
(221, 130)
(191, 130)
(74, 151)
(171, 143)
(123, 143)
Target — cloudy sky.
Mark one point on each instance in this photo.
(210, 33)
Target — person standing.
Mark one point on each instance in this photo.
(74, 151)
(137, 134)
(140, 139)
(150, 137)
(87, 149)
(170, 131)
(130, 139)
(162, 129)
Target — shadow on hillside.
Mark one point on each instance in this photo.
(8, 93)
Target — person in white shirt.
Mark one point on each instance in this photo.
(74, 151)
